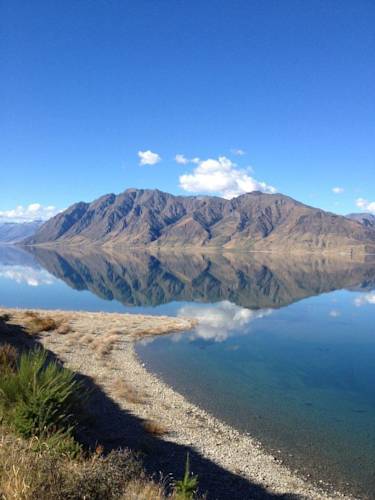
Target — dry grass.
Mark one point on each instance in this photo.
(35, 323)
(64, 329)
(44, 475)
(155, 428)
(141, 490)
(104, 344)
(123, 390)
(8, 357)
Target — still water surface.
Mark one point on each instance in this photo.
(284, 349)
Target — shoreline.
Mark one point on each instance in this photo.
(110, 338)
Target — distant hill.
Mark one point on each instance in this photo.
(251, 222)
(364, 218)
(13, 232)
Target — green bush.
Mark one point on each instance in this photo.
(187, 486)
(40, 397)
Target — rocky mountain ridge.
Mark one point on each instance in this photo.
(251, 222)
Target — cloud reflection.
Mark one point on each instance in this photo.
(26, 275)
(220, 321)
(367, 298)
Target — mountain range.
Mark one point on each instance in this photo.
(251, 222)
(14, 232)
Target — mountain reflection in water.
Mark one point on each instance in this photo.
(252, 281)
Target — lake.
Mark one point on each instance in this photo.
(284, 349)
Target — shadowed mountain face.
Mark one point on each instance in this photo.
(13, 232)
(256, 281)
(253, 221)
(366, 219)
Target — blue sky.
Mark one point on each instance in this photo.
(87, 85)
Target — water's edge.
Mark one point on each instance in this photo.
(327, 489)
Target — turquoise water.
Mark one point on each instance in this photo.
(300, 379)
(283, 350)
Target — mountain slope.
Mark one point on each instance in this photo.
(366, 219)
(253, 221)
(13, 232)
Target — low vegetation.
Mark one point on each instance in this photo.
(42, 407)
(36, 323)
(155, 428)
(38, 397)
(187, 487)
(28, 473)
(124, 390)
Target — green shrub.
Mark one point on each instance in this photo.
(187, 487)
(40, 397)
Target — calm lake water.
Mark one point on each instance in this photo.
(284, 350)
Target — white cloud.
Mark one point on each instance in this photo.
(338, 190)
(238, 151)
(148, 158)
(182, 160)
(368, 206)
(34, 211)
(223, 177)
(220, 321)
(367, 298)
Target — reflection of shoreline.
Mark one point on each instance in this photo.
(252, 281)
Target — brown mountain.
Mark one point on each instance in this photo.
(251, 222)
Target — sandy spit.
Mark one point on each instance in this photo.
(101, 345)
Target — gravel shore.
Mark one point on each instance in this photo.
(101, 346)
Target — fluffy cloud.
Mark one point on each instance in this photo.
(35, 211)
(148, 157)
(368, 206)
(182, 160)
(223, 177)
(337, 190)
(221, 321)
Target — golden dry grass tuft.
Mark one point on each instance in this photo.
(141, 490)
(103, 345)
(64, 329)
(123, 390)
(155, 428)
(35, 323)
